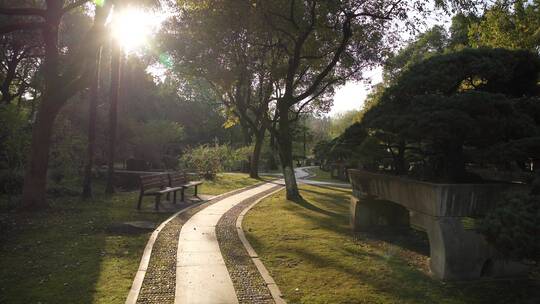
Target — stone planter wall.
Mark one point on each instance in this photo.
(457, 252)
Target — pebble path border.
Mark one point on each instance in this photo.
(158, 286)
(248, 283)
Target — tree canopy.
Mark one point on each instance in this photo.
(451, 109)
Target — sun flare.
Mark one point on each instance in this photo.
(134, 27)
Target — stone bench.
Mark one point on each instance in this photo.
(443, 211)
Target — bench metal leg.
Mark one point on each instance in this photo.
(174, 197)
(168, 196)
(195, 191)
(182, 194)
(158, 199)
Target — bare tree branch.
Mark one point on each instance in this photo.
(74, 5)
(347, 33)
(294, 62)
(22, 12)
(21, 27)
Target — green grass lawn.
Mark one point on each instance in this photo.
(314, 258)
(225, 182)
(67, 255)
(323, 176)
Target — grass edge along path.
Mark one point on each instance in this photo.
(248, 283)
(66, 255)
(312, 255)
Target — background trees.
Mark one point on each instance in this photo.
(271, 61)
(263, 70)
(449, 113)
(20, 58)
(217, 41)
(60, 82)
(146, 102)
(508, 24)
(453, 109)
(322, 46)
(468, 29)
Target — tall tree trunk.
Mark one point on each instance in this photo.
(272, 163)
(246, 133)
(535, 189)
(399, 159)
(285, 151)
(116, 66)
(305, 151)
(92, 115)
(455, 164)
(256, 155)
(53, 98)
(35, 180)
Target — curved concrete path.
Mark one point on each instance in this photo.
(201, 274)
(303, 177)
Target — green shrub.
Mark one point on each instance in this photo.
(15, 134)
(155, 140)
(513, 227)
(215, 158)
(68, 151)
(11, 181)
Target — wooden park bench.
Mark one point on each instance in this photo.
(155, 185)
(165, 183)
(181, 180)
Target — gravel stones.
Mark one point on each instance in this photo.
(248, 283)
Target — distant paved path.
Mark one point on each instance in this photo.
(303, 176)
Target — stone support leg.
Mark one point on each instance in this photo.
(367, 213)
(457, 253)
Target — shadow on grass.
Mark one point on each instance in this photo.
(50, 257)
(337, 200)
(410, 285)
(334, 218)
(410, 282)
(343, 190)
(386, 270)
(307, 205)
(65, 255)
(404, 237)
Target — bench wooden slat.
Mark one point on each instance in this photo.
(193, 183)
(153, 185)
(151, 178)
(169, 189)
(177, 179)
(153, 181)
